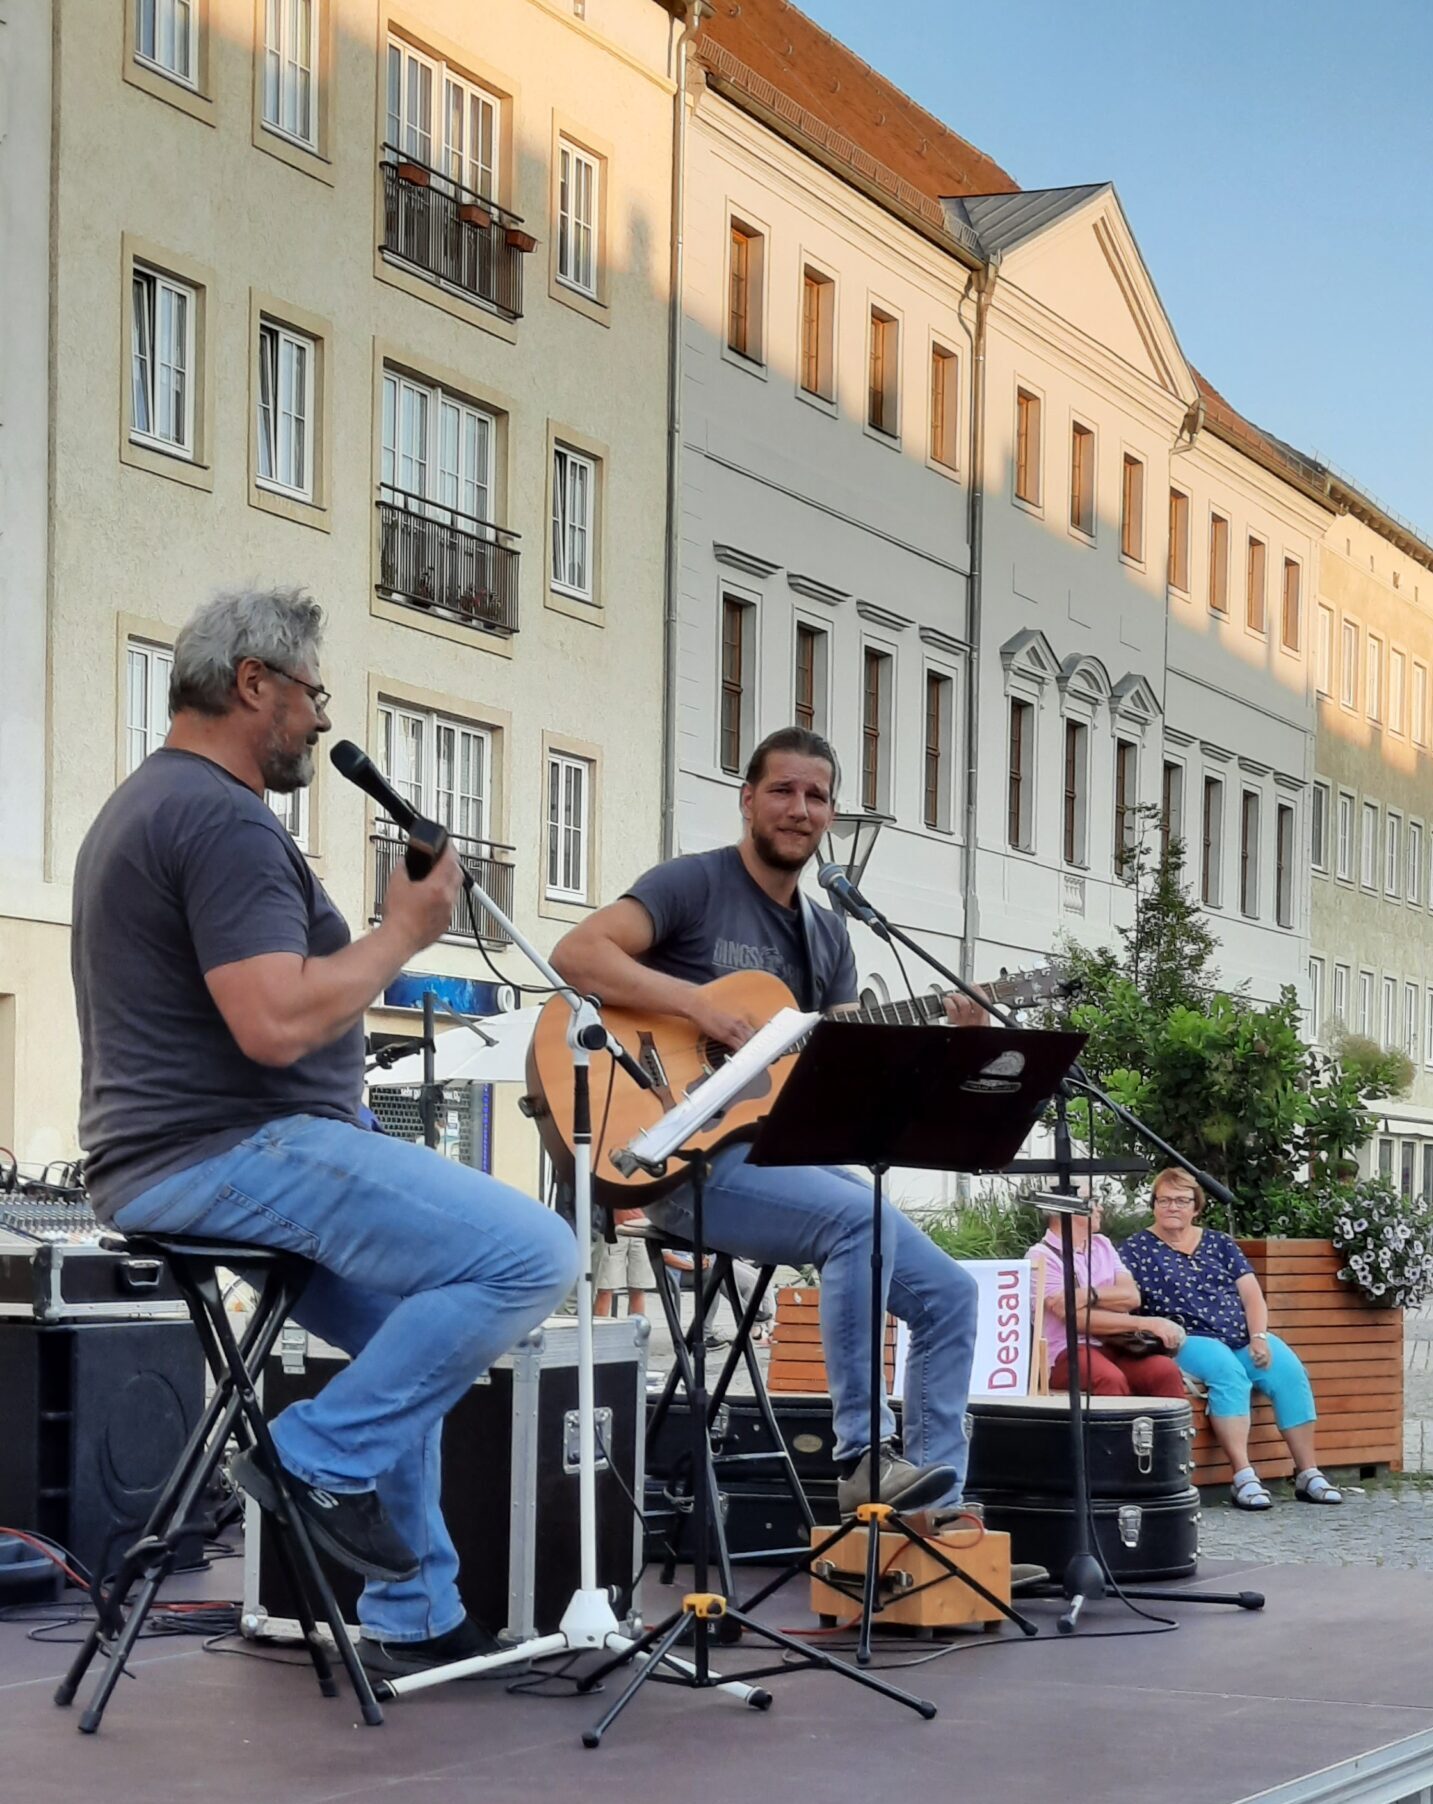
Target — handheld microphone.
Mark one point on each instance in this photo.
(426, 839)
(836, 883)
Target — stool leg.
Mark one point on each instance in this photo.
(762, 1397)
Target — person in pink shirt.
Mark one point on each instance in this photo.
(1105, 1297)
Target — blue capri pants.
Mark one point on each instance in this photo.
(1232, 1376)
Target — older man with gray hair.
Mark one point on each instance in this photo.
(221, 1005)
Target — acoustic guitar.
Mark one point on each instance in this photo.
(677, 1058)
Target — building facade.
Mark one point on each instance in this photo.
(376, 300)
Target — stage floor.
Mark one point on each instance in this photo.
(1339, 1663)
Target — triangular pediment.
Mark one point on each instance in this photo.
(1030, 654)
(1077, 257)
(1133, 699)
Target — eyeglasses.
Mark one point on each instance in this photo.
(1175, 1202)
(319, 696)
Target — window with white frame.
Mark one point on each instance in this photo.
(292, 810)
(939, 751)
(1020, 781)
(1340, 994)
(1249, 852)
(286, 393)
(1076, 791)
(290, 66)
(1212, 837)
(1348, 665)
(166, 37)
(578, 177)
(569, 790)
(736, 706)
(1414, 887)
(437, 448)
(1325, 651)
(877, 729)
(1178, 573)
(883, 411)
(1171, 806)
(1410, 1020)
(1218, 564)
(574, 491)
(1365, 1003)
(1428, 1026)
(1126, 802)
(818, 333)
(1373, 679)
(1316, 997)
(442, 119)
(1290, 618)
(812, 645)
(1028, 449)
(1418, 723)
(1284, 872)
(1343, 837)
(1397, 664)
(441, 766)
(1319, 827)
(1368, 847)
(944, 406)
(146, 700)
(1388, 1018)
(1255, 585)
(1082, 478)
(1393, 854)
(1132, 508)
(745, 291)
(162, 373)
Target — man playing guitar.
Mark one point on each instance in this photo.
(700, 917)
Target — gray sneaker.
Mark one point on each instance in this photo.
(904, 1486)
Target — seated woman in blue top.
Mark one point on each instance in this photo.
(1200, 1279)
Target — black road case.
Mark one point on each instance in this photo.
(1137, 1447)
(1157, 1538)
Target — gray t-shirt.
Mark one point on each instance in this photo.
(185, 869)
(710, 918)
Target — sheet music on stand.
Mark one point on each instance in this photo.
(655, 1145)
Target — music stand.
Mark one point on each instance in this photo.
(878, 1096)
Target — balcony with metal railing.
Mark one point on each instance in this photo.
(452, 234)
(491, 865)
(447, 562)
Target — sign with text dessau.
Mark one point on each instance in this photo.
(1003, 1337)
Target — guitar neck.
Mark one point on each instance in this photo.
(911, 1011)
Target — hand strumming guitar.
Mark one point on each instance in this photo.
(713, 1022)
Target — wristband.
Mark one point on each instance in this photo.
(1260, 1336)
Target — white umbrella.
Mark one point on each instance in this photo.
(489, 1050)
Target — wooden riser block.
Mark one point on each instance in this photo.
(985, 1557)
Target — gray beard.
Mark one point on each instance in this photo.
(284, 771)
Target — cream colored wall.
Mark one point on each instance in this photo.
(132, 545)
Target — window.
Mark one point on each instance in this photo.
(1254, 614)
(1284, 864)
(876, 734)
(441, 766)
(1407, 1153)
(1373, 679)
(1082, 479)
(1027, 446)
(818, 319)
(811, 645)
(1249, 852)
(1319, 827)
(290, 56)
(1291, 627)
(286, 386)
(1218, 564)
(1427, 1053)
(938, 694)
(162, 373)
(1389, 1018)
(574, 485)
(1368, 847)
(1418, 725)
(1348, 665)
(1414, 887)
(1179, 540)
(1126, 801)
(146, 711)
(1324, 671)
(1316, 997)
(1171, 807)
(1132, 509)
(1410, 1020)
(884, 409)
(1344, 840)
(1077, 737)
(743, 331)
(1393, 854)
(1213, 840)
(1385, 1159)
(568, 788)
(1427, 1190)
(166, 37)
(734, 729)
(1397, 664)
(292, 810)
(440, 118)
(944, 407)
(437, 448)
(1340, 994)
(1365, 1003)
(577, 202)
(1020, 788)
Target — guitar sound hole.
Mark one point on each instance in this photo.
(714, 1054)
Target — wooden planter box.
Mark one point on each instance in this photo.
(1354, 1356)
(797, 1362)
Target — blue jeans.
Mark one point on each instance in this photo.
(821, 1216)
(425, 1272)
(1232, 1377)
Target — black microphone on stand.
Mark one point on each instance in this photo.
(836, 883)
(427, 840)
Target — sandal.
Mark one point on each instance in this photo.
(1313, 1487)
(1248, 1494)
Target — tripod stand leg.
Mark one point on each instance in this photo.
(661, 1645)
(816, 1656)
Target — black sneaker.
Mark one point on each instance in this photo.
(353, 1526)
(902, 1485)
(396, 1659)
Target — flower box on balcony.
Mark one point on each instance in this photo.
(472, 214)
(520, 241)
(412, 173)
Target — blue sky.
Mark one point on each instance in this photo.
(1275, 159)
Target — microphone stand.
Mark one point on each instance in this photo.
(1085, 1572)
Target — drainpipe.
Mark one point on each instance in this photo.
(984, 280)
(695, 12)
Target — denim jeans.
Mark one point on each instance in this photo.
(821, 1216)
(425, 1272)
